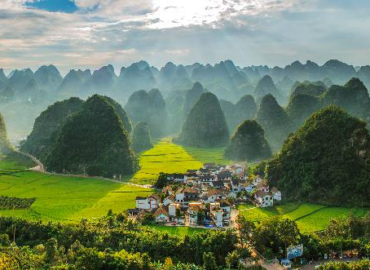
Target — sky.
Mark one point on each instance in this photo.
(92, 33)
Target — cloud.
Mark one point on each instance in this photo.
(271, 32)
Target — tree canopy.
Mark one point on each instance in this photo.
(325, 161)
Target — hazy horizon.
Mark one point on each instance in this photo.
(93, 33)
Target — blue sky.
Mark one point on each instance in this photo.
(92, 33)
(67, 6)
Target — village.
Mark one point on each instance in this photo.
(205, 197)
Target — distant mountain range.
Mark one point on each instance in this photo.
(225, 79)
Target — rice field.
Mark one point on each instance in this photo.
(309, 217)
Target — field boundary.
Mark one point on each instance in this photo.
(313, 212)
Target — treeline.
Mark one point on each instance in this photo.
(113, 242)
(272, 236)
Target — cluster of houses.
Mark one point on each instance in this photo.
(206, 196)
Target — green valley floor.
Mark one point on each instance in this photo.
(69, 199)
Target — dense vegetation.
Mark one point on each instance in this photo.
(327, 160)
(248, 143)
(274, 120)
(141, 137)
(93, 141)
(47, 125)
(205, 125)
(84, 246)
(15, 203)
(4, 141)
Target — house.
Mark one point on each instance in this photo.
(237, 185)
(224, 176)
(192, 212)
(225, 206)
(179, 177)
(264, 199)
(161, 215)
(213, 194)
(167, 190)
(263, 186)
(168, 200)
(133, 212)
(186, 194)
(276, 194)
(218, 184)
(172, 209)
(206, 178)
(216, 213)
(236, 169)
(208, 165)
(147, 203)
(249, 188)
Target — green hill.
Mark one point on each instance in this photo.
(205, 125)
(274, 120)
(325, 161)
(141, 137)
(93, 141)
(4, 141)
(248, 143)
(46, 126)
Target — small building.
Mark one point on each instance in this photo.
(161, 215)
(224, 176)
(192, 212)
(225, 206)
(208, 165)
(276, 194)
(214, 194)
(218, 184)
(264, 199)
(168, 200)
(167, 190)
(172, 209)
(147, 203)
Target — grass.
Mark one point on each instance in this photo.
(206, 155)
(62, 198)
(309, 217)
(168, 157)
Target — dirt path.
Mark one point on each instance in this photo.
(40, 168)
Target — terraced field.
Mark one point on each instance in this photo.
(309, 217)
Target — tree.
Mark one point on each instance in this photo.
(246, 229)
(288, 232)
(209, 261)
